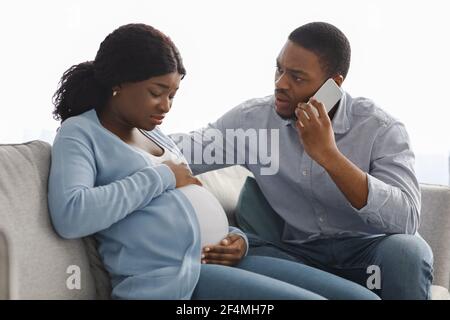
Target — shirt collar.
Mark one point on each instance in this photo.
(340, 122)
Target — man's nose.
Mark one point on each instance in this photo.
(281, 82)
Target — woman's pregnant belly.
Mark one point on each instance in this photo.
(210, 214)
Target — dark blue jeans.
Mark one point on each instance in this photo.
(261, 278)
(403, 263)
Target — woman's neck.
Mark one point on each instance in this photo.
(115, 124)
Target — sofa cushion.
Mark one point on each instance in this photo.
(37, 258)
(439, 293)
(225, 184)
(255, 215)
(101, 276)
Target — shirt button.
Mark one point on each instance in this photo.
(305, 172)
(321, 219)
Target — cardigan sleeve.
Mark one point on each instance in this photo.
(79, 208)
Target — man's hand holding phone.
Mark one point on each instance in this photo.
(314, 124)
(316, 132)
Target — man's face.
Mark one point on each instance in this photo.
(298, 76)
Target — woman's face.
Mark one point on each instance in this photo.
(144, 104)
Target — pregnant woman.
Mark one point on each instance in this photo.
(114, 174)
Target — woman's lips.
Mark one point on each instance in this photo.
(157, 119)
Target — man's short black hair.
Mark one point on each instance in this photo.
(328, 43)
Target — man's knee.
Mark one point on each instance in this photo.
(406, 263)
(406, 248)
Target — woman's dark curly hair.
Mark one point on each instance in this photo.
(131, 53)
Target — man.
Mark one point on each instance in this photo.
(345, 187)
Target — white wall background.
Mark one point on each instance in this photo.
(400, 58)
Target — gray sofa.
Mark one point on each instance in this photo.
(35, 263)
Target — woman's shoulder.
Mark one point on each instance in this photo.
(80, 127)
(82, 122)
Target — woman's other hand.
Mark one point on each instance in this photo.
(228, 252)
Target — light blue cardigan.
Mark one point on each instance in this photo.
(147, 230)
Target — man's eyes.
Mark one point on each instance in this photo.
(292, 75)
(297, 79)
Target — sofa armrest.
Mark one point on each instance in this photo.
(435, 229)
(4, 266)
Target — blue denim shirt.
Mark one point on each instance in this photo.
(302, 192)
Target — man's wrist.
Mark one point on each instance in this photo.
(332, 160)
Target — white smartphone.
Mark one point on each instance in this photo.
(329, 94)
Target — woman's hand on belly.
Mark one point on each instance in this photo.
(228, 252)
(183, 175)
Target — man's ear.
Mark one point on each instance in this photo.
(339, 79)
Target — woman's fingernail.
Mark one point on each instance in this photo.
(203, 255)
(203, 261)
(206, 249)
